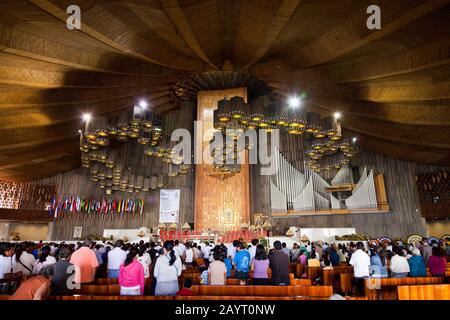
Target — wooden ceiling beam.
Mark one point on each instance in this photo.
(166, 59)
(28, 119)
(346, 37)
(432, 113)
(35, 78)
(16, 42)
(370, 92)
(176, 16)
(435, 136)
(403, 151)
(17, 95)
(284, 12)
(428, 56)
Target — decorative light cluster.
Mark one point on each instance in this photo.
(142, 127)
(237, 115)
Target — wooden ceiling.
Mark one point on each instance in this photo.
(391, 85)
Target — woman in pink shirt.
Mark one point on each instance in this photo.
(437, 262)
(131, 275)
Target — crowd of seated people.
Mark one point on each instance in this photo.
(60, 269)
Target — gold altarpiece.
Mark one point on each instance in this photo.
(222, 201)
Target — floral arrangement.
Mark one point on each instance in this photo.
(125, 238)
(161, 226)
(252, 227)
(267, 225)
(186, 227)
(289, 233)
(352, 237)
(244, 226)
(304, 238)
(141, 234)
(173, 226)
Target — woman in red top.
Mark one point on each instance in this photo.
(131, 275)
(437, 262)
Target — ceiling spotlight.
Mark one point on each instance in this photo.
(294, 102)
(79, 131)
(143, 104)
(87, 117)
(337, 115)
(354, 139)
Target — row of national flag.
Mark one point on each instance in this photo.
(100, 206)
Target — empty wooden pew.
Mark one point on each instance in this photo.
(424, 292)
(386, 288)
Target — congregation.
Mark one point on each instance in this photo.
(59, 269)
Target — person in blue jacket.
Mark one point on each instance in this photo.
(416, 263)
(242, 263)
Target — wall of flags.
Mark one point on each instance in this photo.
(75, 205)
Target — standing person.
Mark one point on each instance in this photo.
(153, 252)
(36, 287)
(437, 262)
(285, 249)
(6, 261)
(195, 252)
(116, 257)
(63, 271)
(85, 262)
(334, 256)
(376, 266)
(24, 259)
(360, 262)
(45, 259)
(206, 250)
(399, 265)
(217, 271)
(145, 260)
(279, 263)
(252, 249)
(232, 250)
(242, 263)
(417, 267)
(167, 270)
(189, 255)
(340, 252)
(313, 260)
(427, 251)
(295, 252)
(131, 275)
(260, 266)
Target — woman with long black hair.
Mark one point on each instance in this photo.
(131, 275)
(45, 259)
(260, 266)
(167, 270)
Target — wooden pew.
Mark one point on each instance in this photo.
(424, 292)
(208, 290)
(313, 291)
(388, 286)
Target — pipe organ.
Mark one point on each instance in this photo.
(307, 191)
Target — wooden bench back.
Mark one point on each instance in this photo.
(424, 292)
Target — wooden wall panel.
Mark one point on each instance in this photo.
(214, 194)
(77, 182)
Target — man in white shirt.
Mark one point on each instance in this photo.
(116, 257)
(360, 262)
(231, 251)
(179, 249)
(252, 249)
(206, 250)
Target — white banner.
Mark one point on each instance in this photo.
(77, 232)
(169, 205)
